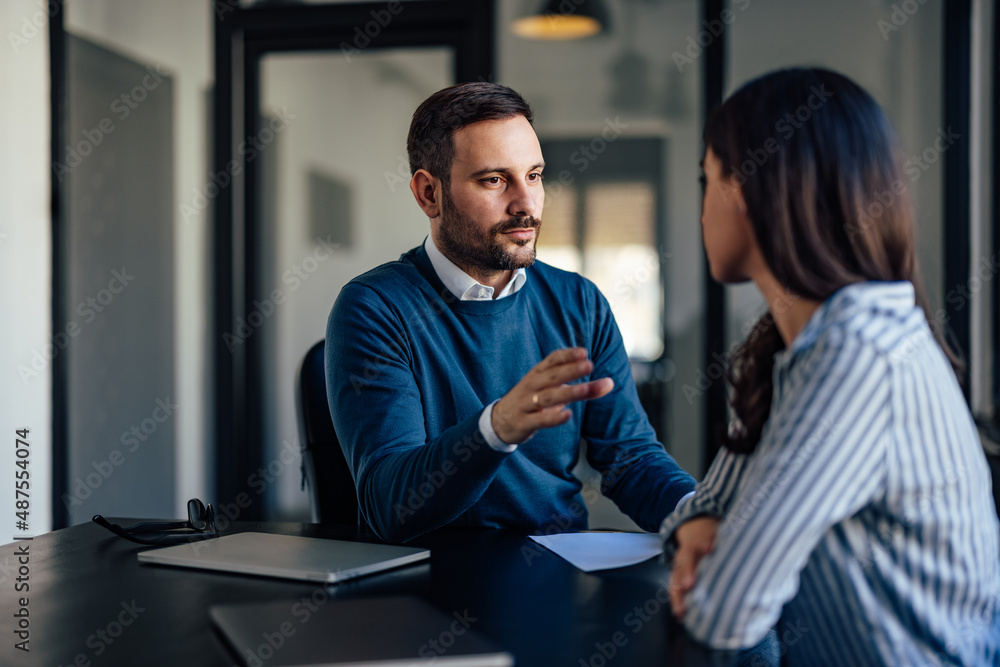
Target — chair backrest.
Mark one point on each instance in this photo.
(324, 468)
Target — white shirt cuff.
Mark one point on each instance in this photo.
(486, 428)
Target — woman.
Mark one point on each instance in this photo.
(851, 498)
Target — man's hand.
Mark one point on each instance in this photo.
(695, 539)
(539, 400)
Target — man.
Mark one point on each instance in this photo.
(460, 380)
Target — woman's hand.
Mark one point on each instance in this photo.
(695, 539)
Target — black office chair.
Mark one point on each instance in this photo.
(324, 468)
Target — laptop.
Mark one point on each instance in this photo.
(287, 556)
(370, 632)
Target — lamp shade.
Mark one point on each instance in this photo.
(563, 19)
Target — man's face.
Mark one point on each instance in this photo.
(491, 211)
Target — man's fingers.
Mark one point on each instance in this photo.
(539, 399)
(560, 396)
(563, 356)
(546, 418)
(599, 388)
(561, 373)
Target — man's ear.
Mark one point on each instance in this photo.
(426, 189)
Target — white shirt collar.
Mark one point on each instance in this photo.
(461, 284)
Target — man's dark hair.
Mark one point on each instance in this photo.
(431, 141)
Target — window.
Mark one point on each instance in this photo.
(606, 231)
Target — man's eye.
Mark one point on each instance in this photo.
(492, 180)
(537, 176)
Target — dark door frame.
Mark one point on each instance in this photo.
(956, 72)
(60, 268)
(244, 35)
(714, 410)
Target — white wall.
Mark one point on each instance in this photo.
(25, 262)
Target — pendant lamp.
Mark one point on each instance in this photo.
(563, 20)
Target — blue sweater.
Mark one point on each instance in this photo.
(410, 368)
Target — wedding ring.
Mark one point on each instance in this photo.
(534, 401)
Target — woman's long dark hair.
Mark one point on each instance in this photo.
(819, 167)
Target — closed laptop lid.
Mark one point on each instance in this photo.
(373, 632)
(286, 556)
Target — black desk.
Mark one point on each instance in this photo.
(538, 607)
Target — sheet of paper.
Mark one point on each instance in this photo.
(602, 551)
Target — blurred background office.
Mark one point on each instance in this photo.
(187, 185)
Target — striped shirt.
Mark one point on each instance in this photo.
(864, 519)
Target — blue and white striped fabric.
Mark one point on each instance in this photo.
(864, 520)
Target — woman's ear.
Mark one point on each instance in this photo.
(733, 193)
(426, 189)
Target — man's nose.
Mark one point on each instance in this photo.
(526, 200)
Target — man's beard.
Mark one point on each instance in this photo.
(464, 244)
